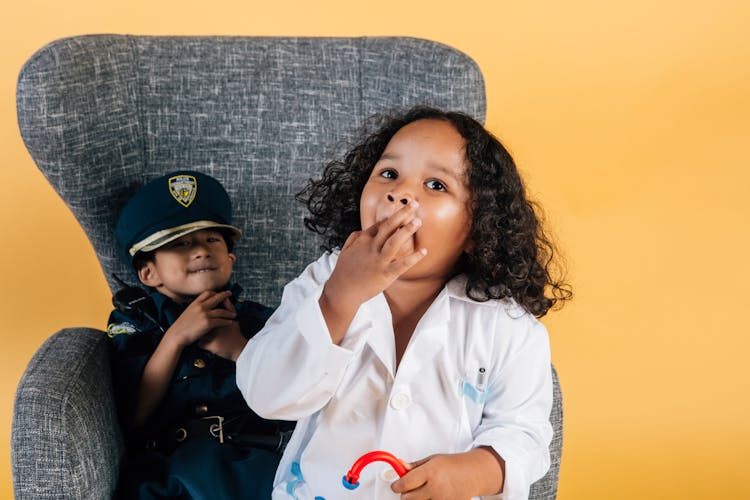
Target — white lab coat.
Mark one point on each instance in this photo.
(350, 400)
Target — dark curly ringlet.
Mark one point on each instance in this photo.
(512, 255)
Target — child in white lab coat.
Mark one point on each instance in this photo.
(416, 332)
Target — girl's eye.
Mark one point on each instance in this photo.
(436, 185)
(388, 174)
(213, 239)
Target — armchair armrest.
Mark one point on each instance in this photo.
(65, 438)
(546, 487)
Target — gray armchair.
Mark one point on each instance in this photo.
(102, 114)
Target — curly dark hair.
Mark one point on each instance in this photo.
(512, 255)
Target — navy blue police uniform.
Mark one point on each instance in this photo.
(202, 441)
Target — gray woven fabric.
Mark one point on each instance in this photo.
(66, 440)
(546, 488)
(102, 114)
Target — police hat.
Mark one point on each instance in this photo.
(169, 207)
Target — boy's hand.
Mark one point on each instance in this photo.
(225, 341)
(369, 262)
(452, 477)
(200, 317)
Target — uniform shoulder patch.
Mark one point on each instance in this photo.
(114, 329)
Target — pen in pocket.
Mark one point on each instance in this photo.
(481, 379)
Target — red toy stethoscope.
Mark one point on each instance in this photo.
(351, 479)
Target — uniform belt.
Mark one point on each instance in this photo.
(224, 430)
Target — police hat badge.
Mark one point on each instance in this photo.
(183, 189)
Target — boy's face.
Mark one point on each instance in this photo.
(190, 265)
(424, 161)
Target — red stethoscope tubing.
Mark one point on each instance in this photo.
(352, 477)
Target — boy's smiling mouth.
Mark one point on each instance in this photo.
(201, 270)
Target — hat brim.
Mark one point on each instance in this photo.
(161, 238)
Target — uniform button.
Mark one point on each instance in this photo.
(180, 434)
(400, 401)
(388, 475)
(201, 409)
(199, 363)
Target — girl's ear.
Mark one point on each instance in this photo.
(232, 257)
(149, 275)
(469, 246)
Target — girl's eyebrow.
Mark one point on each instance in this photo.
(447, 171)
(437, 166)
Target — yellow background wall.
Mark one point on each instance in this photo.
(631, 123)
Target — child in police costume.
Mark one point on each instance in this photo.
(188, 431)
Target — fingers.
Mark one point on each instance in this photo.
(229, 306)
(351, 239)
(396, 241)
(207, 306)
(386, 226)
(380, 231)
(220, 314)
(411, 481)
(400, 266)
(212, 299)
(414, 465)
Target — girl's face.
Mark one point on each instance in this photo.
(424, 161)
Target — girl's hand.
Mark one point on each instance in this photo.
(373, 258)
(452, 477)
(369, 262)
(200, 317)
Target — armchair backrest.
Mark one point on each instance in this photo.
(102, 114)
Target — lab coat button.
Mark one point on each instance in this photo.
(400, 401)
(388, 475)
(199, 363)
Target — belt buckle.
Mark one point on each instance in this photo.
(216, 429)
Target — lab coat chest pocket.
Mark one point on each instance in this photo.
(473, 393)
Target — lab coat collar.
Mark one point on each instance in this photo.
(456, 289)
(428, 339)
(429, 336)
(380, 338)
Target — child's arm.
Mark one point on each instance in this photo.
(511, 443)
(478, 472)
(292, 367)
(369, 262)
(200, 317)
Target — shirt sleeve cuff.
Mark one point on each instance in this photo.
(312, 326)
(521, 467)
